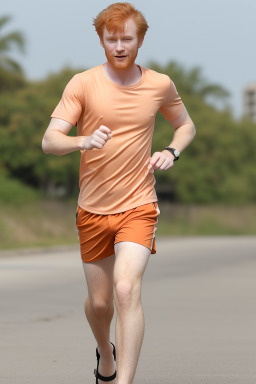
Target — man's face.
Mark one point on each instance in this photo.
(121, 47)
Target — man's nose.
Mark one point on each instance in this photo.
(119, 45)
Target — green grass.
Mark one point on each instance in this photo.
(47, 223)
(212, 220)
(38, 223)
(205, 227)
(12, 191)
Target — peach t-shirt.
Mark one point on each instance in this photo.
(115, 179)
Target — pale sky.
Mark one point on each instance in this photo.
(219, 36)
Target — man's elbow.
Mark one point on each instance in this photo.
(45, 146)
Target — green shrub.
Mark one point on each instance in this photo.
(13, 191)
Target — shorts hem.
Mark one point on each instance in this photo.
(104, 257)
(96, 259)
(137, 242)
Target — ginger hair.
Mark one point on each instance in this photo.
(114, 17)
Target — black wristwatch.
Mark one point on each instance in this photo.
(174, 151)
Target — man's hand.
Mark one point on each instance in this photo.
(98, 139)
(160, 160)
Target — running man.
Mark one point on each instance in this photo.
(114, 106)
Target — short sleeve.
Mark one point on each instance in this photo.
(72, 102)
(172, 105)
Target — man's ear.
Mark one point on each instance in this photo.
(141, 41)
(101, 42)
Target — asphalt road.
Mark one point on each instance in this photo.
(199, 298)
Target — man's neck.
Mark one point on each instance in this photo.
(128, 76)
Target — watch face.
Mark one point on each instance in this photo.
(176, 153)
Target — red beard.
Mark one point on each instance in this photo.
(124, 63)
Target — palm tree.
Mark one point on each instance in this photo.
(192, 82)
(11, 73)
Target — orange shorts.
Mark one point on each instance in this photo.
(99, 233)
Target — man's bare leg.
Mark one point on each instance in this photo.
(99, 309)
(131, 261)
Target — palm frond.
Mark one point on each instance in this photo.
(10, 65)
(4, 20)
(12, 38)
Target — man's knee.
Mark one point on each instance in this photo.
(99, 305)
(127, 292)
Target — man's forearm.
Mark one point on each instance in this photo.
(57, 143)
(183, 136)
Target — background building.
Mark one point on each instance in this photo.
(250, 101)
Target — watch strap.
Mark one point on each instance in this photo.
(172, 150)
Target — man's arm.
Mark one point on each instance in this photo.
(57, 142)
(184, 133)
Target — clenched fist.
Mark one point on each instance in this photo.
(160, 160)
(98, 139)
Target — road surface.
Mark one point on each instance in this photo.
(199, 298)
